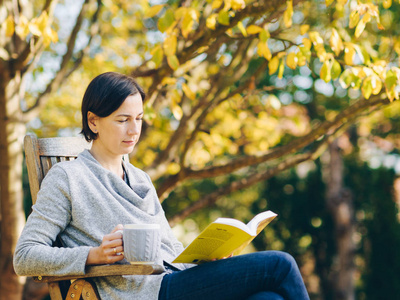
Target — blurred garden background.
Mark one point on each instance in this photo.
(252, 105)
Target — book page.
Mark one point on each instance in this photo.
(215, 242)
(233, 222)
(258, 223)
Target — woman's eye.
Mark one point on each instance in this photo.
(123, 121)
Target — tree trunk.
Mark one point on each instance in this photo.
(340, 205)
(12, 131)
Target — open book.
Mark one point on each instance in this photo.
(223, 237)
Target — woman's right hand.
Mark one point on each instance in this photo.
(110, 250)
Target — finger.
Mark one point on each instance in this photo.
(118, 227)
(117, 250)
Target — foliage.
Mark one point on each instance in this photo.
(238, 90)
(229, 81)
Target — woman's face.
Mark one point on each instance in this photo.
(118, 133)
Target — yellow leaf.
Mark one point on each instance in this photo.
(321, 53)
(34, 28)
(288, 14)
(387, 3)
(49, 35)
(336, 42)
(264, 35)
(328, 2)
(281, 69)
(263, 50)
(335, 70)
(397, 47)
(273, 65)
(307, 43)
(254, 29)
(223, 17)
(187, 23)
(173, 62)
(360, 28)
(168, 81)
(188, 92)
(315, 38)
(211, 21)
(169, 45)
(154, 10)
(177, 111)
(173, 168)
(238, 4)
(366, 88)
(304, 29)
(42, 21)
(349, 55)
(301, 59)
(216, 4)
(376, 84)
(326, 72)
(291, 60)
(22, 28)
(9, 26)
(180, 12)
(354, 18)
(242, 29)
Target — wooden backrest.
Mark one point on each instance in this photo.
(42, 154)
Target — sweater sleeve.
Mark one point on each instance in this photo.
(35, 254)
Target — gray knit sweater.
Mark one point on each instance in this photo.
(81, 201)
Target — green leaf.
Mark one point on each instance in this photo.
(166, 20)
(354, 18)
(391, 79)
(281, 69)
(223, 17)
(366, 88)
(158, 55)
(346, 78)
(335, 70)
(173, 62)
(154, 10)
(326, 71)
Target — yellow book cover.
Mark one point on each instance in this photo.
(223, 237)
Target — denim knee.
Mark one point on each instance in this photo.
(284, 257)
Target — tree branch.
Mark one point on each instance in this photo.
(35, 46)
(63, 72)
(275, 7)
(257, 177)
(325, 129)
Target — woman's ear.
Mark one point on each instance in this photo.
(92, 121)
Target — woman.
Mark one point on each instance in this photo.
(85, 201)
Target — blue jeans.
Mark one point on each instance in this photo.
(261, 275)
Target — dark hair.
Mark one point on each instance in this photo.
(104, 95)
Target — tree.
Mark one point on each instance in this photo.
(204, 64)
(27, 30)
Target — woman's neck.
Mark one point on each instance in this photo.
(112, 163)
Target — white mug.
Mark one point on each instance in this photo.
(141, 242)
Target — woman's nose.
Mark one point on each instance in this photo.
(134, 128)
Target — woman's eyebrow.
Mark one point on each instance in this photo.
(128, 115)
